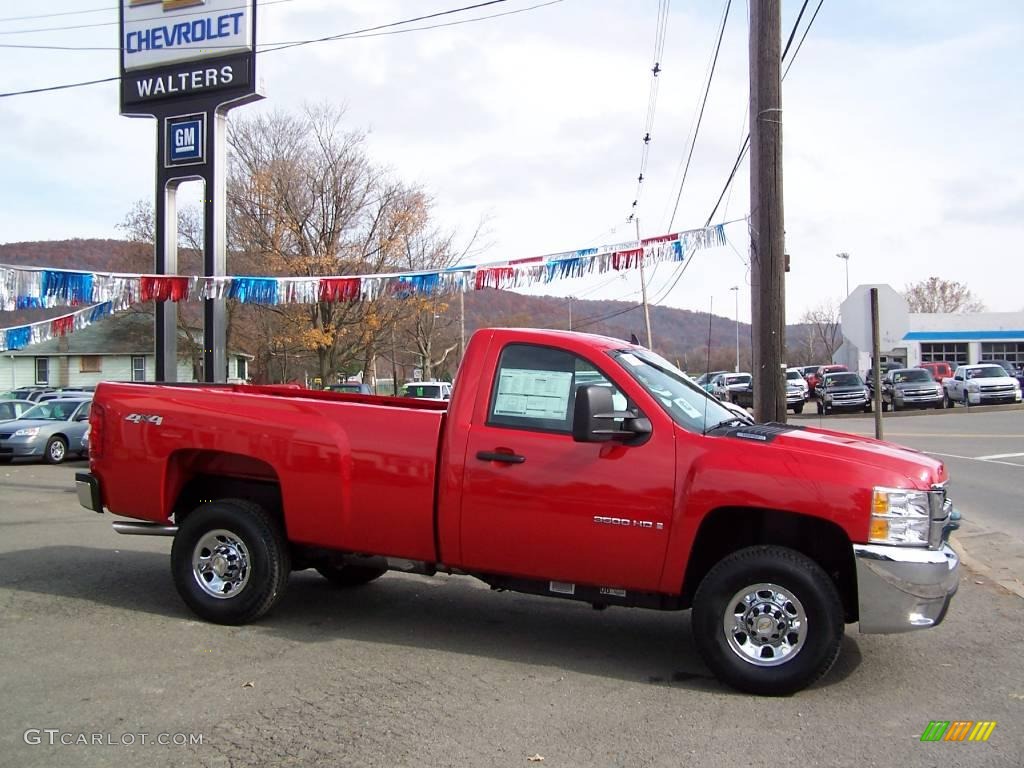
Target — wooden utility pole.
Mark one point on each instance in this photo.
(643, 288)
(767, 246)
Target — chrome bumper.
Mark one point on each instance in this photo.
(900, 589)
(88, 488)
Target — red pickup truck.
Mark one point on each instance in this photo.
(565, 465)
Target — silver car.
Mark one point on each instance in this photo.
(49, 431)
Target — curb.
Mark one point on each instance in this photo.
(977, 565)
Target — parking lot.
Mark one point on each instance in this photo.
(415, 671)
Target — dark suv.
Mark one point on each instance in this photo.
(842, 391)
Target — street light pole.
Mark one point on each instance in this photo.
(846, 257)
(736, 290)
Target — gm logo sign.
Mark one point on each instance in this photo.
(185, 138)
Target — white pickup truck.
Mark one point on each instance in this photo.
(981, 384)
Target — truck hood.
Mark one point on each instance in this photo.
(920, 469)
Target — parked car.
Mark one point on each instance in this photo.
(428, 390)
(843, 391)
(980, 384)
(727, 383)
(796, 376)
(815, 378)
(910, 388)
(744, 396)
(352, 387)
(706, 379)
(85, 440)
(1011, 368)
(12, 409)
(884, 368)
(49, 431)
(939, 371)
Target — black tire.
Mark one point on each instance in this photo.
(821, 410)
(350, 575)
(794, 575)
(885, 406)
(253, 538)
(867, 408)
(6, 459)
(798, 408)
(948, 400)
(56, 450)
(967, 400)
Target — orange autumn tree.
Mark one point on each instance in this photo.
(304, 200)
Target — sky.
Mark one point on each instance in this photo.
(902, 125)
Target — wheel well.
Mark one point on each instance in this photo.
(203, 488)
(728, 529)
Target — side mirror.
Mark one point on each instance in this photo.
(593, 418)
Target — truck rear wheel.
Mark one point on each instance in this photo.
(350, 575)
(768, 620)
(230, 561)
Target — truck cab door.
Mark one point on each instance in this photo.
(537, 504)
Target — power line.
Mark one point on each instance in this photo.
(746, 142)
(707, 90)
(660, 31)
(114, 23)
(345, 35)
(268, 47)
(61, 13)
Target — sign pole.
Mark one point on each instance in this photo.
(187, 64)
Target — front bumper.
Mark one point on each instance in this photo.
(19, 448)
(901, 589)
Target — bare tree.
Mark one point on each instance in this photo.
(824, 335)
(938, 295)
(304, 200)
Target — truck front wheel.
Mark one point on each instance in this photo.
(230, 561)
(768, 620)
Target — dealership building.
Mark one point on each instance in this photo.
(912, 338)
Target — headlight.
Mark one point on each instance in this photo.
(973, 386)
(899, 516)
(30, 432)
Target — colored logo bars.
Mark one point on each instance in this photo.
(958, 730)
(169, 5)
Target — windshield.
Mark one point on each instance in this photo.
(794, 376)
(913, 375)
(735, 380)
(843, 380)
(688, 405)
(52, 410)
(988, 372)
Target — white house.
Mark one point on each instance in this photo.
(117, 348)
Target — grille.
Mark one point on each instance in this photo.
(997, 387)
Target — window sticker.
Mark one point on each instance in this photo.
(533, 394)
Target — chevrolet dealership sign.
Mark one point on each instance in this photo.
(158, 32)
(173, 51)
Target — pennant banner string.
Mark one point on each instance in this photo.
(110, 292)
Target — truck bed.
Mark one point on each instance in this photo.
(314, 444)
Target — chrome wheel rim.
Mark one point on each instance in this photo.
(57, 450)
(765, 625)
(220, 564)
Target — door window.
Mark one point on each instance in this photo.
(535, 388)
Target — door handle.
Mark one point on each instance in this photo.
(507, 458)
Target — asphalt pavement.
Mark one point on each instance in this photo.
(410, 671)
